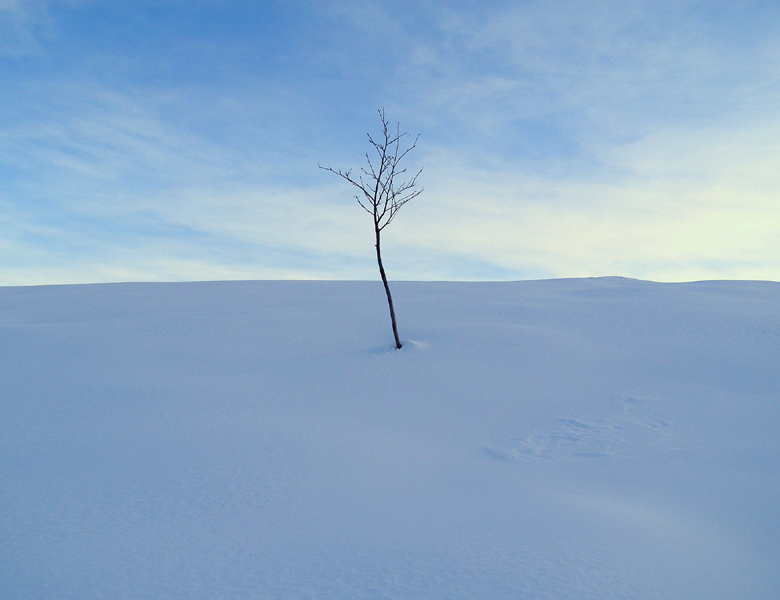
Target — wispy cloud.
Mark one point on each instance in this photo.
(628, 138)
(559, 139)
(113, 189)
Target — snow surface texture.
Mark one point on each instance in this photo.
(567, 439)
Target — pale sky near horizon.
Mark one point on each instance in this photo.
(175, 140)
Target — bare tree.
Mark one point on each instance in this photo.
(381, 195)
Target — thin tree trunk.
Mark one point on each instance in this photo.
(387, 288)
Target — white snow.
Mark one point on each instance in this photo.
(567, 439)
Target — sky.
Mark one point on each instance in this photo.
(180, 140)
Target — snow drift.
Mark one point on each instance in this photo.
(568, 439)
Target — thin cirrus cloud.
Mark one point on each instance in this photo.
(165, 141)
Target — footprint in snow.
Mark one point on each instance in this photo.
(630, 433)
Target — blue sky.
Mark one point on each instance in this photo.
(180, 140)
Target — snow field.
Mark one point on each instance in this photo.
(568, 439)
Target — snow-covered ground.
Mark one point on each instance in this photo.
(566, 439)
